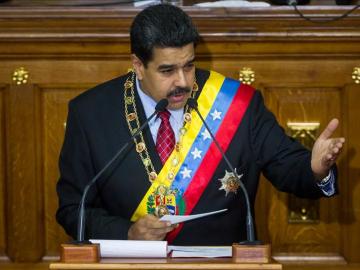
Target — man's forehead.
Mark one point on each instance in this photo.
(172, 56)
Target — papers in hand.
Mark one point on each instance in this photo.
(178, 219)
(131, 248)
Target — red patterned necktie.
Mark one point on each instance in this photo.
(165, 140)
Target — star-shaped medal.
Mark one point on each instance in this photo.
(230, 183)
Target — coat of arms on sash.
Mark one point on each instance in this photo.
(164, 201)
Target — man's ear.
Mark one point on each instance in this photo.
(138, 67)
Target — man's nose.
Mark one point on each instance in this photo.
(181, 79)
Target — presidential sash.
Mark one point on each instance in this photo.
(185, 175)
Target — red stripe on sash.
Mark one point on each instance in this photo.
(213, 157)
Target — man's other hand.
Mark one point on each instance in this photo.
(326, 150)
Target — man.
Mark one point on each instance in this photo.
(174, 167)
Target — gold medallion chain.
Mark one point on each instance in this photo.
(132, 119)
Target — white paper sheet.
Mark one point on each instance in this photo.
(233, 3)
(131, 248)
(174, 219)
(200, 251)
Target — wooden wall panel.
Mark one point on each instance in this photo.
(2, 177)
(351, 206)
(304, 105)
(24, 208)
(285, 71)
(54, 102)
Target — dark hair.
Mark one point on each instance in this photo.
(160, 26)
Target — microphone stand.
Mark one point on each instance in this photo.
(82, 250)
(82, 217)
(250, 250)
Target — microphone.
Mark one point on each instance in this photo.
(160, 106)
(250, 235)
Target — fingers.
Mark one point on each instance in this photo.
(329, 130)
(152, 222)
(326, 150)
(334, 150)
(149, 227)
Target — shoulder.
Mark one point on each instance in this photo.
(201, 76)
(103, 93)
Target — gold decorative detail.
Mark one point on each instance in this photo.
(174, 162)
(178, 147)
(303, 210)
(187, 117)
(247, 75)
(128, 85)
(131, 116)
(129, 100)
(152, 176)
(20, 76)
(140, 147)
(182, 131)
(171, 175)
(305, 132)
(146, 162)
(195, 87)
(130, 70)
(356, 75)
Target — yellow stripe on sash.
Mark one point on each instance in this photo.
(205, 102)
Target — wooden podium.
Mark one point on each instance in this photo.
(167, 263)
(88, 257)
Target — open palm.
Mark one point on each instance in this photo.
(326, 150)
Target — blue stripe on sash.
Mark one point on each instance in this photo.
(202, 143)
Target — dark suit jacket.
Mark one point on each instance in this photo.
(96, 129)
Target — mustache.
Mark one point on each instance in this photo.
(178, 91)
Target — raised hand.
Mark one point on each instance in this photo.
(326, 150)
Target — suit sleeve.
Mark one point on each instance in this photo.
(76, 170)
(283, 160)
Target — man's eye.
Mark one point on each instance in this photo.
(166, 71)
(189, 66)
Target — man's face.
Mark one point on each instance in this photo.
(170, 74)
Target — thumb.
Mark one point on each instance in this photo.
(329, 130)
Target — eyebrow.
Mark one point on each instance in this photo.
(161, 67)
